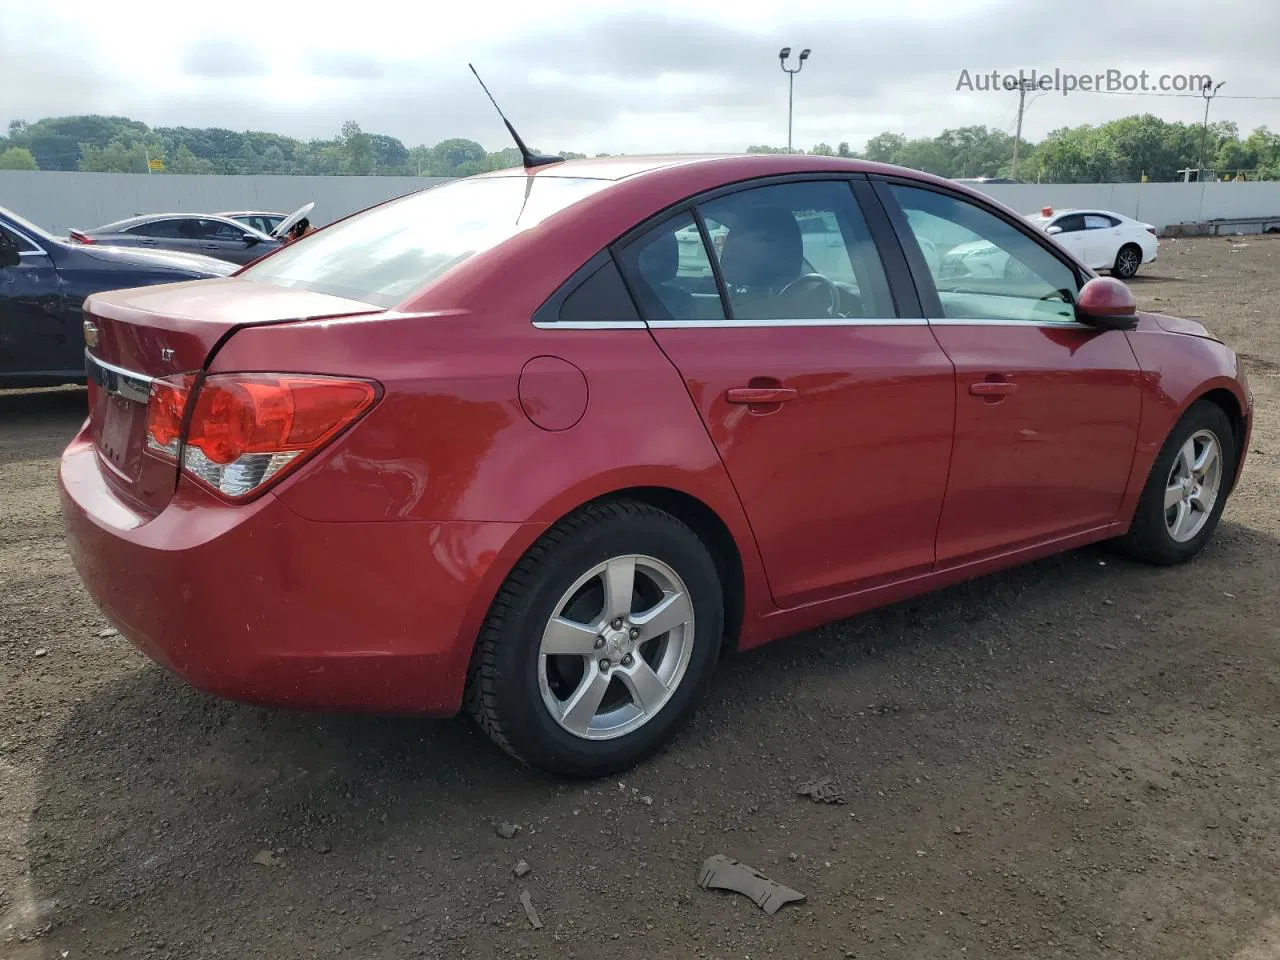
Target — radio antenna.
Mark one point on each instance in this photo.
(528, 157)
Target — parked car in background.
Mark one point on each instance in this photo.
(1103, 239)
(44, 280)
(205, 234)
(259, 220)
(500, 445)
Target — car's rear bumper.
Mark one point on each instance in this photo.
(257, 604)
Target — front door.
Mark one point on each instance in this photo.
(831, 410)
(34, 327)
(1047, 409)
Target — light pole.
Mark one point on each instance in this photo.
(791, 82)
(1208, 93)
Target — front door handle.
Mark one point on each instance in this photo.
(755, 395)
(992, 388)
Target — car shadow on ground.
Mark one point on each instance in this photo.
(154, 799)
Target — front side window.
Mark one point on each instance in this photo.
(388, 252)
(983, 267)
(1097, 221)
(169, 229)
(22, 244)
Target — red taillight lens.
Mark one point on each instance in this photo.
(1151, 230)
(247, 429)
(79, 237)
(165, 406)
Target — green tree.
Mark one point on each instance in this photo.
(17, 158)
(356, 151)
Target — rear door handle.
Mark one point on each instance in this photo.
(992, 388)
(761, 394)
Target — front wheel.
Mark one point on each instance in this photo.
(1186, 490)
(600, 643)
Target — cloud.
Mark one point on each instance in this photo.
(224, 58)
(654, 77)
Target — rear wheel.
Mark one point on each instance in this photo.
(1187, 489)
(1128, 260)
(600, 643)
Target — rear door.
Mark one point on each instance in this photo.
(1047, 408)
(830, 402)
(1102, 239)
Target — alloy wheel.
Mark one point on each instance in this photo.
(1192, 489)
(616, 647)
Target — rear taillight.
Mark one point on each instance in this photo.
(79, 237)
(246, 430)
(1151, 230)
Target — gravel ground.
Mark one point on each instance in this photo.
(1075, 759)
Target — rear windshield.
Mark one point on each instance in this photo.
(384, 254)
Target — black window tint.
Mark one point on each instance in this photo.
(158, 228)
(20, 242)
(1070, 223)
(799, 251)
(984, 267)
(670, 273)
(223, 231)
(601, 298)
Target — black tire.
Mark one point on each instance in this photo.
(503, 692)
(1128, 260)
(1149, 538)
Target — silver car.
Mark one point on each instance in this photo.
(207, 234)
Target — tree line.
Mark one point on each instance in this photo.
(1127, 149)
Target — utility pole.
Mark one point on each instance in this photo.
(1208, 93)
(1023, 87)
(791, 83)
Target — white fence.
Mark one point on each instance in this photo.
(58, 201)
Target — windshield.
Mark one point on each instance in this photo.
(386, 253)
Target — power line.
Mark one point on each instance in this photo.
(1194, 96)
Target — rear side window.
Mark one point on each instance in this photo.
(601, 298)
(22, 243)
(383, 255)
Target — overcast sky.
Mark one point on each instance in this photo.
(683, 75)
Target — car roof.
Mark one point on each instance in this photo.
(117, 225)
(249, 213)
(733, 166)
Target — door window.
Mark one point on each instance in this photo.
(799, 251)
(983, 267)
(670, 273)
(167, 229)
(22, 243)
(1097, 221)
(1071, 223)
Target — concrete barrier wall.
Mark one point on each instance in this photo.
(58, 201)
(1159, 204)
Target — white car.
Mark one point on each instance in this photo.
(1103, 239)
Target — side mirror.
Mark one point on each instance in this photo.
(1054, 230)
(250, 239)
(8, 252)
(1107, 304)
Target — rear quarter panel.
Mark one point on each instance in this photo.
(1178, 369)
(450, 440)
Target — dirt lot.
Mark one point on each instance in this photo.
(1076, 759)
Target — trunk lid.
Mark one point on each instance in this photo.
(135, 336)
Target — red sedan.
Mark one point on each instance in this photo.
(545, 443)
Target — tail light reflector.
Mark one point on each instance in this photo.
(1151, 230)
(246, 430)
(79, 237)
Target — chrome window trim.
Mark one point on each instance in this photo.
(590, 325)
(118, 381)
(818, 322)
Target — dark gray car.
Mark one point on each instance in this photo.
(206, 234)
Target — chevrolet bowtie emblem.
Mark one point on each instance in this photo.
(90, 334)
